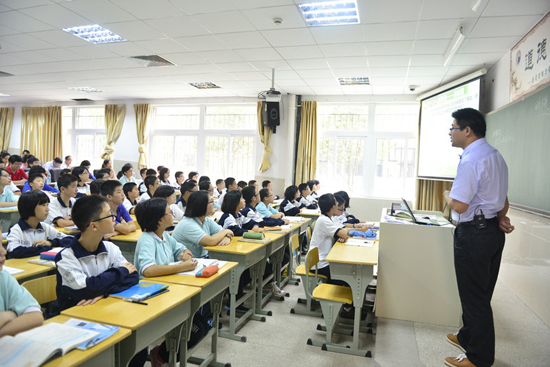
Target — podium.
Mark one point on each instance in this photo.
(416, 276)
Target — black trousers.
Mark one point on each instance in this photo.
(477, 254)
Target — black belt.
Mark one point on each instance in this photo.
(473, 223)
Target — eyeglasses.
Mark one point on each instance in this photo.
(5, 175)
(455, 128)
(211, 202)
(112, 216)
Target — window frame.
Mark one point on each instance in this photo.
(74, 132)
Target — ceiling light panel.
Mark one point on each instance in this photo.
(329, 13)
(354, 81)
(86, 89)
(95, 34)
(204, 85)
(4, 95)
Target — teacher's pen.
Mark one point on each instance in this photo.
(134, 301)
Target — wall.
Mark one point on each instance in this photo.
(497, 85)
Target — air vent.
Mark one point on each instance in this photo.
(151, 61)
(354, 81)
(82, 100)
(2, 74)
(204, 85)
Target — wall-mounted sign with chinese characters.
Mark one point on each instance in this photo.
(530, 61)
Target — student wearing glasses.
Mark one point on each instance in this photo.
(169, 194)
(187, 188)
(112, 190)
(7, 197)
(207, 186)
(264, 207)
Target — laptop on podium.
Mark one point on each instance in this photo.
(418, 219)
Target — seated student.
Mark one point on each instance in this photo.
(108, 164)
(220, 187)
(83, 176)
(346, 217)
(60, 207)
(132, 195)
(203, 178)
(5, 159)
(193, 176)
(268, 185)
(86, 163)
(142, 175)
(39, 170)
(338, 218)
(103, 174)
(168, 193)
(187, 188)
(55, 163)
(19, 311)
(230, 185)
(142, 187)
(252, 199)
(95, 187)
(242, 185)
(325, 233)
(127, 174)
(255, 184)
(290, 205)
(151, 183)
(207, 186)
(314, 186)
(7, 197)
(164, 176)
(30, 235)
(67, 163)
(197, 230)
(266, 198)
(179, 180)
(33, 162)
(18, 176)
(36, 183)
(305, 193)
(112, 190)
(232, 218)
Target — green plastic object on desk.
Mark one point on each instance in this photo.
(253, 235)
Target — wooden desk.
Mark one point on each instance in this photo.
(68, 231)
(127, 243)
(212, 289)
(102, 354)
(8, 217)
(248, 255)
(354, 265)
(165, 314)
(31, 270)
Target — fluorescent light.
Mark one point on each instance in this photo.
(354, 81)
(86, 89)
(330, 13)
(94, 33)
(457, 40)
(204, 85)
(4, 95)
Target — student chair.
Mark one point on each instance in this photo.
(310, 279)
(332, 298)
(42, 289)
(294, 244)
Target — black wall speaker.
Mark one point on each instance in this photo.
(270, 115)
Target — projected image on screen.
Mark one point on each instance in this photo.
(436, 157)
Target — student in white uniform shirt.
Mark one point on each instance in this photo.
(131, 192)
(220, 188)
(61, 207)
(127, 174)
(180, 177)
(314, 186)
(142, 188)
(168, 193)
(30, 235)
(83, 176)
(36, 183)
(151, 183)
(305, 198)
(230, 185)
(68, 162)
(187, 188)
(164, 176)
(55, 163)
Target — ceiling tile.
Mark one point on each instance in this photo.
(56, 16)
(243, 40)
(4, 31)
(146, 9)
(388, 11)
(271, 64)
(351, 72)
(220, 56)
(505, 26)
(289, 37)
(387, 89)
(204, 6)
(262, 18)
(300, 52)
(389, 31)
(21, 22)
(254, 75)
(185, 58)
(388, 61)
(430, 47)
(281, 75)
(60, 38)
(344, 49)
(446, 9)
(201, 43)
(313, 82)
(23, 42)
(259, 54)
(343, 62)
(489, 44)
(388, 72)
(307, 64)
(235, 66)
(91, 51)
(389, 48)
(338, 34)
(356, 89)
(388, 81)
(477, 58)
(441, 29)
(135, 30)
(254, 4)
(183, 26)
(161, 46)
(99, 11)
(125, 49)
(427, 70)
(316, 73)
(232, 21)
(515, 8)
(427, 60)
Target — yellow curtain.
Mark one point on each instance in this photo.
(430, 194)
(306, 159)
(265, 137)
(142, 115)
(41, 132)
(114, 120)
(6, 122)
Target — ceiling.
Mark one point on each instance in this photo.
(235, 43)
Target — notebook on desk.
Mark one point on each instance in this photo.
(418, 219)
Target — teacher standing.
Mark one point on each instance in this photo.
(479, 204)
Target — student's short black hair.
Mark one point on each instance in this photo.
(265, 183)
(472, 118)
(26, 151)
(229, 181)
(149, 181)
(204, 178)
(128, 186)
(102, 172)
(263, 194)
(159, 167)
(35, 177)
(290, 192)
(65, 181)
(219, 181)
(95, 187)
(344, 195)
(5, 154)
(149, 212)
(105, 162)
(4, 170)
(162, 172)
(36, 170)
(242, 184)
(197, 204)
(15, 158)
(109, 187)
(57, 160)
(27, 157)
(77, 171)
(302, 187)
(204, 185)
(192, 174)
(248, 193)
(144, 170)
(326, 202)
(164, 191)
(310, 183)
(85, 163)
(65, 171)
(126, 168)
(177, 174)
(231, 201)
(67, 157)
(187, 186)
(150, 172)
(28, 201)
(87, 209)
(252, 183)
(339, 200)
(31, 160)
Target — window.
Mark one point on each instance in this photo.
(367, 150)
(216, 140)
(84, 134)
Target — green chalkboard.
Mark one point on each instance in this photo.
(521, 132)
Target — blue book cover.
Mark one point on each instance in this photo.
(141, 291)
(105, 331)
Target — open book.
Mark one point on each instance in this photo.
(36, 346)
